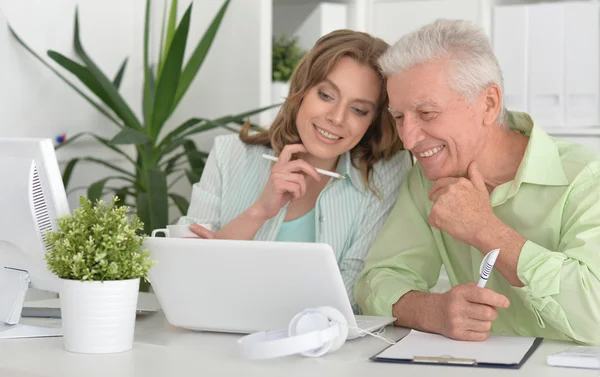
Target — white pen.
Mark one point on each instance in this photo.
(324, 172)
(487, 264)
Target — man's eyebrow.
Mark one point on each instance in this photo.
(363, 100)
(425, 102)
(416, 105)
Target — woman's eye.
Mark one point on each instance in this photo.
(360, 112)
(324, 96)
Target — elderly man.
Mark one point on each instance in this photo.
(484, 179)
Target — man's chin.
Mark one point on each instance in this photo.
(431, 175)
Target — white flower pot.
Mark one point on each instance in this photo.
(98, 317)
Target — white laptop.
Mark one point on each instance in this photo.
(247, 286)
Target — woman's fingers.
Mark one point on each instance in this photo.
(299, 166)
(202, 231)
(292, 188)
(288, 151)
(297, 178)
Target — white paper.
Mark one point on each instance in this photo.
(495, 350)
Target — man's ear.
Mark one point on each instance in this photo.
(492, 104)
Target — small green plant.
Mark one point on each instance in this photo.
(286, 56)
(98, 242)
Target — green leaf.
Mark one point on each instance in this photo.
(193, 176)
(177, 179)
(169, 35)
(101, 140)
(130, 136)
(148, 94)
(122, 195)
(156, 199)
(68, 171)
(241, 117)
(110, 166)
(119, 76)
(196, 158)
(181, 203)
(95, 190)
(199, 54)
(170, 164)
(182, 128)
(83, 74)
(120, 106)
(75, 88)
(142, 204)
(285, 56)
(169, 77)
(219, 122)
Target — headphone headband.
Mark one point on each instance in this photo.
(265, 345)
(312, 332)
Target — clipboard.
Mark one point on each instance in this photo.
(505, 352)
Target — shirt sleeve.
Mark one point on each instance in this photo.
(561, 287)
(205, 203)
(378, 209)
(404, 256)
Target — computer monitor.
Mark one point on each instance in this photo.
(32, 197)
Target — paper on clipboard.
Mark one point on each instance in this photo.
(424, 347)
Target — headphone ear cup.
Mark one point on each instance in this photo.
(337, 318)
(310, 320)
(320, 319)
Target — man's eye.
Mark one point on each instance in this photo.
(399, 117)
(324, 96)
(427, 115)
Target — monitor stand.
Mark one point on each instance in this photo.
(13, 288)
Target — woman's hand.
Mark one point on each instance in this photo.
(287, 182)
(202, 232)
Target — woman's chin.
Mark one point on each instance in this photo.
(323, 152)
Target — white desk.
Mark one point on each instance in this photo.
(163, 350)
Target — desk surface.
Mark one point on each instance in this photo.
(162, 350)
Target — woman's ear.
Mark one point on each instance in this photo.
(492, 104)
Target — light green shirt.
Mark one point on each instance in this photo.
(348, 215)
(301, 229)
(554, 202)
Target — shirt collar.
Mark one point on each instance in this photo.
(345, 168)
(541, 162)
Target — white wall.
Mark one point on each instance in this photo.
(392, 19)
(35, 103)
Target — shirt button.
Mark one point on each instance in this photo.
(321, 219)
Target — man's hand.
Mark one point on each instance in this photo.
(461, 205)
(467, 312)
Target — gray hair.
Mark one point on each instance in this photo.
(474, 64)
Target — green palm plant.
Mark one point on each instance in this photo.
(158, 158)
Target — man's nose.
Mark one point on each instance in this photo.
(410, 133)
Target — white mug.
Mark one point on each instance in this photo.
(180, 231)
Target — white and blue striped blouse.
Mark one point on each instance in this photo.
(348, 215)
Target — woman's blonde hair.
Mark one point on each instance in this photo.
(381, 140)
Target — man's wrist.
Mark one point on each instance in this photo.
(418, 310)
(487, 238)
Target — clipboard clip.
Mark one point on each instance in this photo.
(444, 359)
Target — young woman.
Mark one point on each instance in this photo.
(335, 118)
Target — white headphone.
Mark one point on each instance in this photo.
(312, 332)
